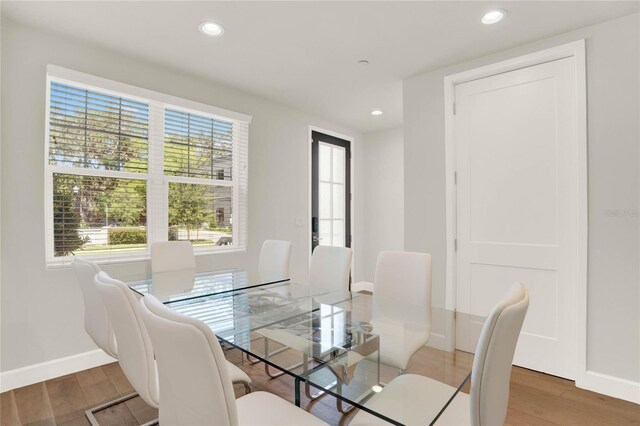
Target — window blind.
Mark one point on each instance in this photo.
(197, 146)
(95, 130)
(203, 192)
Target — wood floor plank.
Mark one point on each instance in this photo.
(9, 410)
(557, 410)
(142, 412)
(33, 405)
(549, 384)
(622, 412)
(519, 418)
(98, 388)
(118, 415)
(117, 378)
(67, 400)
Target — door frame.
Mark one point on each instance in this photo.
(574, 49)
(352, 175)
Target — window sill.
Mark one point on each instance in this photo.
(65, 262)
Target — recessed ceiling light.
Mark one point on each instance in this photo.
(211, 29)
(376, 388)
(494, 16)
(376, 112)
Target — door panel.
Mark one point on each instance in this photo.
(517, 192)
(330, 198)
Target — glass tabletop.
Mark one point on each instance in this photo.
(324, 339)
(188, 284)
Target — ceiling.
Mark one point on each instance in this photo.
(305, 54)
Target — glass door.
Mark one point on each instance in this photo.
(331, 191)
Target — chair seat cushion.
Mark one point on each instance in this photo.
(265, 409)
(415, 400)
(237, 375)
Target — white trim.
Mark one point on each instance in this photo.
(577, 50)
(80, 171)
(582, 278)
(48, 181)
(362, 286)
(36, 373)
(65, 262)
(438, 341)
(612, 386)
(199, 181)
(352, 149)
(104, 84)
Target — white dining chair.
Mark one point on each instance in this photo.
(274, 260)
(167, 256)
(406, 398)
(401, 308)
(330, 268)
(136, 354)
(273, 265)
(96, 323)
(96, 320)
(196, 387)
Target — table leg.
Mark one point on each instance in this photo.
(297, 392)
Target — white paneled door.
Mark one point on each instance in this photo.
(517, 206)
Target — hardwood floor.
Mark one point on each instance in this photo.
(535, 399)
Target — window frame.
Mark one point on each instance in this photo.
(157, 183)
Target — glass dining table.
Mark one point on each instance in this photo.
(322, 338)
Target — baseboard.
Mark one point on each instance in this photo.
(31, 374)
(437, 341)
(611, 386)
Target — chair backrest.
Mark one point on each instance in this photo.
(494, 357)
(402, 288)
(330, 268)
(172, 256)
(195, 382)
(135, 353)
(96, 320)
(274, 260)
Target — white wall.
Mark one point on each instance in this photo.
(42, 315)
(383, 186)
(613, 88)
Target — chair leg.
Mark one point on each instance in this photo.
(340, 404)
(280, 373)
(252, 360)
(341, 408)
(256, 361)
(90, 413)
(320, 394)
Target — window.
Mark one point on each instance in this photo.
(127, 167)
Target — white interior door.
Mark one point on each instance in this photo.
(517, 207)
